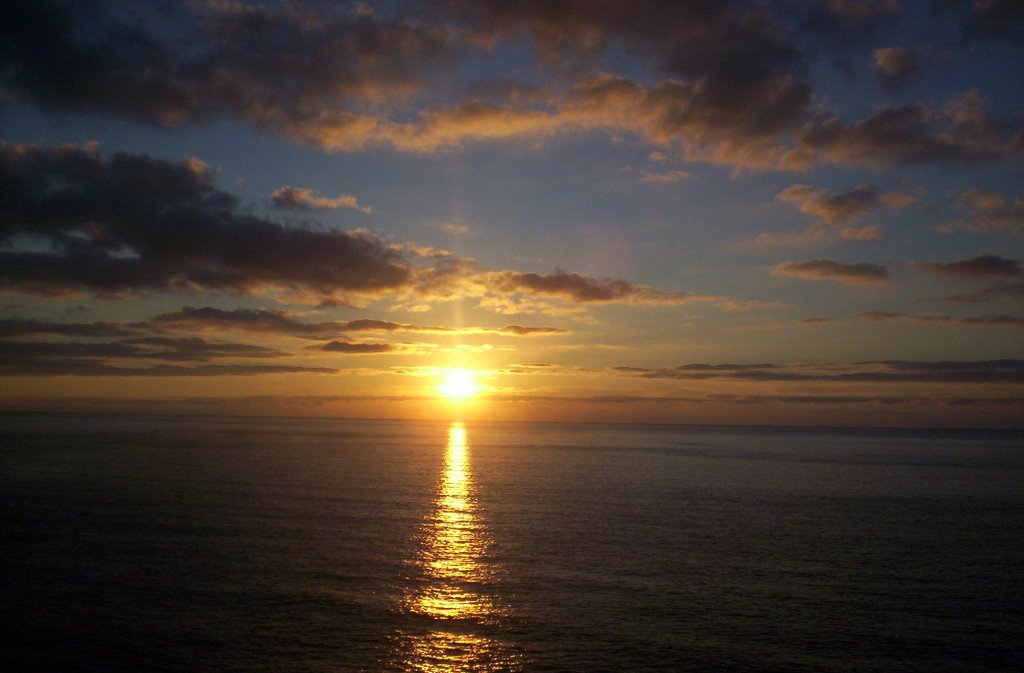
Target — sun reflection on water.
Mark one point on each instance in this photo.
(452, 601)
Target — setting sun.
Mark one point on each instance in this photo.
(458, 384)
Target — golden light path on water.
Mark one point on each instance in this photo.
(452, 598)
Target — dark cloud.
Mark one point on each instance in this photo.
(962, 131)
(149, 348)
(736, 87)
(137, 356)
(18, 327)
(61, 56)
(982, 266)
(995, 19)
(132, 223)
(579, 288)
(295, 68)
(356, 348)
(83, 367)
(522, 330)
(889, 371)
(827, 269)
(267, 321)
(263, 321)
(988, 320)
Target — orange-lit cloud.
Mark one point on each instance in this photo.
(297, 197)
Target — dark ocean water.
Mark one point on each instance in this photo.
(231, 544)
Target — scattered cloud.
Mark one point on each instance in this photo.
(297, 197)
(827, 269)
(832, 210)
(989, 212)
(132, 223)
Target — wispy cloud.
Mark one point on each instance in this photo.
(982, 266)
(884, 371)
(827, 269)
(987, 320)
(297, 197)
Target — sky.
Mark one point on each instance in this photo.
(714, 212)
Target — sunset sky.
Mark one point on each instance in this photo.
(800, 213)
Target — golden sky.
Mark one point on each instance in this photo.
(735, 212)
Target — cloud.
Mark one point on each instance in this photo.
(831, 209)
(149, 348)
(989, 212)
(17, 327)
(356, 348)
(961, 131)
(90, 368)
(297, 197)
(133, 223)
(135, 356)
(827, 269)
(982, 266)
(735, 84)
(993, 292)
(988, 320)
(667, 177)
(871, 233)
(884, 371)
(520, 330)
(267, 321)
(995, 20)
(289, 67)
(579, 288)
(270, 321)
(895, 67)
(863, 9)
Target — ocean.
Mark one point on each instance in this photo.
(145, 543)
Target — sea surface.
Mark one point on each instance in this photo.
(140, 543)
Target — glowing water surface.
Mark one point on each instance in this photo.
(452, 597)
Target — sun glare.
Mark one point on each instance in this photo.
(458, 384)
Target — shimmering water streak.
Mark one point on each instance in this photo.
(452, 595)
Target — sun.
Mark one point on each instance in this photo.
(458, 384)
